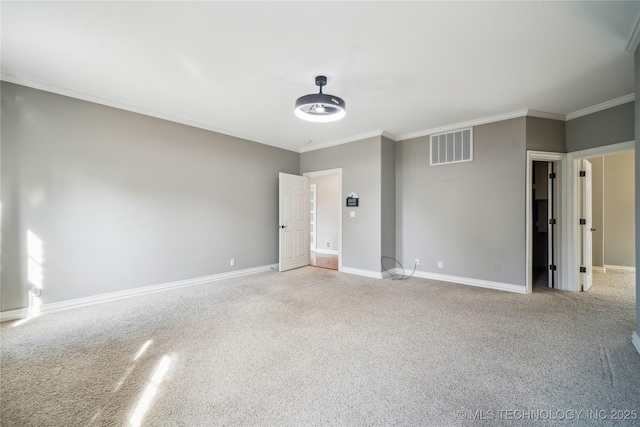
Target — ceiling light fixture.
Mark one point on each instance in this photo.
(320, 107)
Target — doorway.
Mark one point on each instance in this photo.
(326, 218)
(544, 232)
(597, 230)
(545, 219)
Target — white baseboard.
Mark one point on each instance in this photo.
(596, 269)
(22, 313)
(461, 280)
(397, 271)
(359, 272)
(472, 282)
(620, 268)
(327, 251)
(635, 339)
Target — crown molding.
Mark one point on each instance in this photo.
(132, 108)
(605, 105)
(545, 115)
(447, 128)
(470, 123)
(347, 140)
(634, 38)
(389, 136)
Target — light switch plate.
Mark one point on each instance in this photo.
(352, 214)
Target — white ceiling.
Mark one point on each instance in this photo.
(401, 67)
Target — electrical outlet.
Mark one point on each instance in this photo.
(439, 264)
(417, 261)
(232, 262)
(328, 244)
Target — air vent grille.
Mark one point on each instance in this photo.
(452, 147)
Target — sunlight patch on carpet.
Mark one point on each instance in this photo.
(150, 392)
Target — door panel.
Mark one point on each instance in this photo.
(294, 221)
(301, 241)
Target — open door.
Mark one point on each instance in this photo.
(586, 268)
(294, 221)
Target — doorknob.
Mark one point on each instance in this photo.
(283, 226)
(593, 229)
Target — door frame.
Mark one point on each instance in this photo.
(573, 208)
(586, 213)
(561, 161)
(337, 171)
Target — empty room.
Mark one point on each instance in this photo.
(433, 220)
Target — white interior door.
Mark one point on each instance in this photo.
(294, 221)
(587, 248)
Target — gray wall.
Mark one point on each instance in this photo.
(546, 135)
(470, 216)
(361, 174)
(121, 200)
(606, 127)
(619, 209)
(388, 197)
(327, 211)
(613, 209)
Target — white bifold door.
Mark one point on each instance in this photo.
(294, 221)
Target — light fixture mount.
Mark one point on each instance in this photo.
(320, 107)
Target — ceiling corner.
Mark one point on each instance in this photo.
(634, 38)
(545, 115)
(389, 136)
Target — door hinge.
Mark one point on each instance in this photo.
(552, 175)
(583, 221)
(583, 269)
(583, 174)
(552, 221)
(553, 268)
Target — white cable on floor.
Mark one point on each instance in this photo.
(395, 276)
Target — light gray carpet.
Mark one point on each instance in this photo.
(317, 347)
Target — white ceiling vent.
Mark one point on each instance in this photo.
(452, 147)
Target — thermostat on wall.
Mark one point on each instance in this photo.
(352, 199)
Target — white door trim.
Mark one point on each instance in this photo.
(573, 236)
(586, 202)
(338, 172)
(561, 160)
